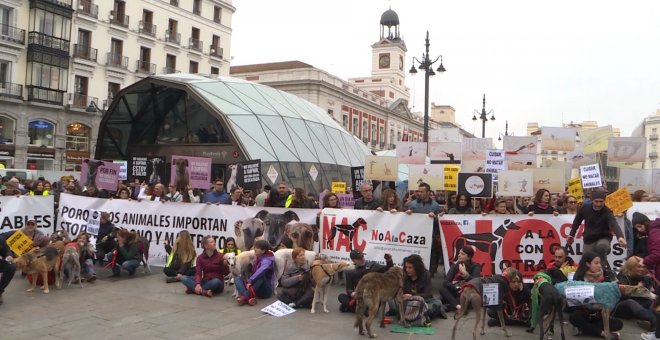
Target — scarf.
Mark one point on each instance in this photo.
(594, 276)
(539, 279)
(542, 206)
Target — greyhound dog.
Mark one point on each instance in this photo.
(92, 168)
(238, 265)
(302, 234)
(374, 290)
(548, 302)
(485, 242)
(71, 264)
(346, 229)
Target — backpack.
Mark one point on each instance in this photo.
(416, 311)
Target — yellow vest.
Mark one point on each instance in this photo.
(171, 258)
(44, 193)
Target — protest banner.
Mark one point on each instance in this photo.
(495, 160)
(451, 177)
(93, 222)
(619, 201)
(193, 171)
(475, 184)
(519, 241)
(278, 309)
(16, 211)
(575, 189)
(147, 169)
(410, 152)
(590, 175)
(339, 187)
(376, 234)
(433, 175)
(103, 175)
(19, 243)
(381, 168)
(357, 177)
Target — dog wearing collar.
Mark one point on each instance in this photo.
(282, 256)
(323, 274)
(40, 262)
(374, 290)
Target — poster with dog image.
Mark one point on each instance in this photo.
(101, 174)
(245, 175)
(410, 152)
(519, 241)
(190, 171)
(626, 149)
(558, 138)
(381, 168)
(148, 169)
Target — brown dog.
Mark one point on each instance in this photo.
(373, 290)
(472, 295)
(322, 274)
(40, 262)
(302, 234)
(181, 174)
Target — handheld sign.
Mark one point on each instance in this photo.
(619, 201)
(19, 243)
(93, 222)
(339, 187)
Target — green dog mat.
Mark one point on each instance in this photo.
(396, 328)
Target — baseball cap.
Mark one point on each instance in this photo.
(31, 221)
(356, 254)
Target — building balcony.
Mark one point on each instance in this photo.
(174, 3)
(80, 101)
(653, 137)
(115, 60)
(62, 3)
(11, 90)
(88, 8)
(44, 95)
(143, 66)
(168, 70)
(12, 34)
(195, 44)
(172, 37)
(147, 28)
(217, 20)
(84, 52)
(40, 39)
(120, 20)
(215, 51)
(197, 11)
(653, 154)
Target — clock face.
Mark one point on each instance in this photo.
(400, 63)
(384, 61)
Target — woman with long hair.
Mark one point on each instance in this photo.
(331, 200)
(462, 205)
(298, 199)
(389, 201)
(230, 246)
(634, 272)
(541, 204)
(181, 258)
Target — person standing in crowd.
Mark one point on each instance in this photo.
(640, 196)
(500, 207)
(11, 188)
(128, 255)
(38, 189)
(571, 206)
(541, 204)
(277, 197)
(297, 287)
(353, 276)
(641, 224)
(298, 199)
(262, 279)
(181, 258)
(124, 194)
(173, 195)
(367, 201)
(478, 206)
(461, 271)
(7, 266)
(247, 198)
(230, 246)
(423, 204)
(235, 197)
(634, 272)
(159, 194)
(210, 270)
(463, 205)
(599, 225)
(217, 195)
(451, 202)
(260, 200)
(331, 200)
(389, 201)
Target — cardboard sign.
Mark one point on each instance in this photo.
(495, 161)
(381, 168)
(411, 152)
(590, 176)
(515, 183)
(626, 149)
(102, 174)
(445, 152)
(558, 138)
(148, 169)
(551, 179)
(475, 184)
(451, 177)
(619, 201)
(245, 175)
(475, 148)
(595, 140)
(19, 243)
(123, 169)
(580, 295)
(339, 187)
(635, 179)
(193, 171)
(357, 178)
(433, 175)
(575, 189)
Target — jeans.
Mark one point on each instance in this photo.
(129, 265)
(592, 326)
(169, 272)
(449, 294)
(87, 267)
(7, 271)
(214, 285)
(261, 287)
(632, 309)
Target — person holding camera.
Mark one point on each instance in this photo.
(297, 289)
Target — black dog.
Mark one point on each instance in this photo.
(486, 242)
(92, 168)
(551, 303)
(346, 229)
(275, 225)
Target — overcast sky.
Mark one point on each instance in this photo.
(548, 62)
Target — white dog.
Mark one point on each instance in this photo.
(233, 173)
(238, 265)
(155, 177)
(283, 256)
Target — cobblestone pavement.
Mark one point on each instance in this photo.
(145, 307)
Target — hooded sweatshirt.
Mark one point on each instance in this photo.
(264, 265)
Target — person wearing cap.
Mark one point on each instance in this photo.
(353, 276)
(39, 239)
(461, 271)
(599, 225)
(641, 223)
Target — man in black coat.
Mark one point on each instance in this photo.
(7, 267)
(353, 276)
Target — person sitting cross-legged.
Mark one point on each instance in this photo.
(210, 269)
(181, 259)
(297, 288)
(261, 283)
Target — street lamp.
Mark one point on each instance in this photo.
(484, 117)
(506, 131)
(93, 108)
(426, 65)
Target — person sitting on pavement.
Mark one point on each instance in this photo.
(296, 282)
(181, 258)
(105, 240)
(217, 195)
(353, 276)
(39, 239)
(261, 282)
(86, 257)
(633, 272)
(417, 282)
(460, 272)
(517, 303)
(562, 268)
(128, 254)
(7, 266)
(210, 270)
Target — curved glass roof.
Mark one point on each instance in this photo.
(274, 125)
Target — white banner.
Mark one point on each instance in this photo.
(376, 234)
(518, 241)
(162, 221)
(16, 211)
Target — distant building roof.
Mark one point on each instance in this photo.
(282, 65)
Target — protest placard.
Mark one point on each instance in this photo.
(590, 176)
(575, 189)
(619, 201)
(19, 243)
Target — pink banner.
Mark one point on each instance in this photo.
(102, 174)
(193, 171)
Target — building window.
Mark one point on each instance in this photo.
(197, 7)
(170, 64)
(80, 91)
(381, 134)
(215, 71)
(355, 127)
(40, 133)
(194, 67)
(5, 72)
(365, 130)
(6, 131)
(77, 145)
(51, 25)
(144, 64)
(373, 132)
(654, 130)
(113, 89)
(217, 14)
(344, 121)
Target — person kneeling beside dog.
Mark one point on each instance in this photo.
(352, 277)
(297, 288)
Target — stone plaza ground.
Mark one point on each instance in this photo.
(145, 307)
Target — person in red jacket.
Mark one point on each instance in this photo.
(210, 271)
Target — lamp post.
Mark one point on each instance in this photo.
(484, 117)
(426, 64)
(93, 108)
(506, 131)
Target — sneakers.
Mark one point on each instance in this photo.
(649, 336)
(645, 325)
(493, 323)
(171, 280)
